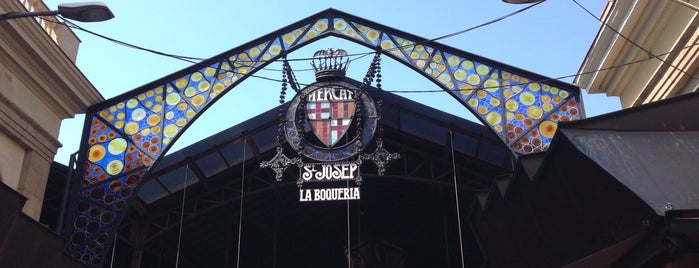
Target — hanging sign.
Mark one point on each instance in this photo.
(330, 122)
(329, 171)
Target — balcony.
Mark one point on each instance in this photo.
(59, 33)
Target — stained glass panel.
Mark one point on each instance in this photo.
(125, 135)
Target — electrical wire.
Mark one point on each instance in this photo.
(179, 233)
(360, 55)
(456, 197)
(364, 54)
(653, 56)
(240, 214)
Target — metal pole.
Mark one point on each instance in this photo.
(15, 15)
(66, 192)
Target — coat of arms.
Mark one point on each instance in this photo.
(330, 111)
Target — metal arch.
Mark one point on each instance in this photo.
(124, 136)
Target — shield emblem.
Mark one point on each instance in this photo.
(330, 119)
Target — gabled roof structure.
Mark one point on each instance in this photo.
(617, 190)
(409, 209)
(124, 136)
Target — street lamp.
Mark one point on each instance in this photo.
(85, 12)
(522, 1)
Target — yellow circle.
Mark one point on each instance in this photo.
(190, 91)
(170, 130)
(481, 94)
(474, 79)
(547, 107)
(491, 85)
(153, 119)
(467, 65)
(482, 69)
(493, 118)
(460, 75)
(473, 102)
(494, 102)
(181, 82)
(548, 128)
(321, 25)
(534, 112)
(534, 87)
(131, 128)
(138, 114)
(172, 98)
(181, 122)
(545, 98)
(190, 113)
(218, 87)
(275, 50)
(254, 52)
(131, 103)
(482, 110)
(95, 153)
(198, 100)
(453, 60)
(507, 93)
(527, 98)
(511, 105)
(145, 131)
(204, 86)
(114, 167)
(373, 35)
(288, 38)
(387, 44)
(444, 78)
(117, 146)
(340, 25)
(196, 77)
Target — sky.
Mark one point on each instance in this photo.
(550, 39)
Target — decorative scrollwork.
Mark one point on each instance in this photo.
(279, 163)
(381, 157)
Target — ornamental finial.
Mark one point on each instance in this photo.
(330, 63)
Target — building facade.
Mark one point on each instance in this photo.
(40, 85)
(645, 51)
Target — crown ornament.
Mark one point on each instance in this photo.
(330, 64)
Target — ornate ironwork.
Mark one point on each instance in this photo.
(279, 163)
(126, 135)
(381, 157)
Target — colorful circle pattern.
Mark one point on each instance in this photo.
(125, 138)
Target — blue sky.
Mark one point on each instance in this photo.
(550, 39)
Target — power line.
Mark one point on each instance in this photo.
(653, 56)
(364, 54)
(359, 55)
